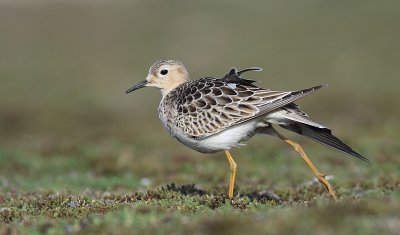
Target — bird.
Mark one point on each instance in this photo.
(211, 114)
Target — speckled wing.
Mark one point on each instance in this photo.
(207, 106)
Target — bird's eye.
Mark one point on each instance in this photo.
(164, 72)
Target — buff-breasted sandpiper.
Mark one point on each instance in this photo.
(218, 114)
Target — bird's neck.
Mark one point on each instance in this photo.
(166, 90)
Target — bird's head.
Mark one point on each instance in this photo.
(165, 75)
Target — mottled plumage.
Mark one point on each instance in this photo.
(206, 106)
(213, 114)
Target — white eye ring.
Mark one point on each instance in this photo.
(163, 71)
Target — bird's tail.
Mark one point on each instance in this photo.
(324, 136)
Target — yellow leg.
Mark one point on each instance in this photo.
(320, 176)
(233, 167)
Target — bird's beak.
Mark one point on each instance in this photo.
(137, 86)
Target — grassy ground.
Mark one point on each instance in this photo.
(112, 189)
(79, 156)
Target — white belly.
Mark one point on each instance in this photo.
(224, 140)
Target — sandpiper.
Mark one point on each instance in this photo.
(217, 114)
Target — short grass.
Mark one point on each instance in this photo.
(114, 190)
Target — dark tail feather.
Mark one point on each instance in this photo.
(324, 136)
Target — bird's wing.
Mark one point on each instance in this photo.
(208, 106)
(292, 118)
(292, 113)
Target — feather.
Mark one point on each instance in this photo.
(324, 136)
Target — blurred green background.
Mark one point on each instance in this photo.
(64, 67)
(65, 64)
(66, 123)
